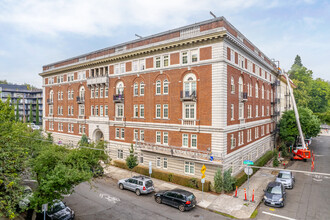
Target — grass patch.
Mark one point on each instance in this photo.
(224, 214)
(254, 214)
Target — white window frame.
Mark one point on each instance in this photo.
(136, 89)
(232, 109)
(122, 133)
(165, 111)
(117, 135)
(142, 87)
(190, 166)
(232, 141)
(165, 138)
(165, 87)
(158, 110)
(185, 140)
(158, 87)
(136, 111)
(241, 111)
(192, 138)
(141, 135)
(158, 162)
(120, 154)
(165, 163)
(158, 137)
(135, 134)
(142, 111)
(117, 108)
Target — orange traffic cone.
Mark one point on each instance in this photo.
(252, 196)
(245, 195)
(235, 196)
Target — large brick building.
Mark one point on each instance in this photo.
(180, 96)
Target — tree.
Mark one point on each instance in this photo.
(31, 115)
(17, 110)
(37, 113)
(275, 160)
(297, 61)
(218, 181)
(320, 91)
(3, 82)
(131, 160)
(310, 125)
(84, 140)
(228, 181)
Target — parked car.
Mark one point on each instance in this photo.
(25, 201)
(179, 198)
(138, 184)
(59, 211)
(286, 178)
(275, 194)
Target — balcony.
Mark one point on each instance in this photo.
(276, 113)
(242, 121)
(100, 80)
(50, 101)
(80, 99)
(118, 98)
(243, 96)
(188, 96)
(120, 118)
(189, 122)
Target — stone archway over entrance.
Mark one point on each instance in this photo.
(98, 135)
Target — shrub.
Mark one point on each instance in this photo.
(228, 181)
(275, 161)
(218, 181)
(194, 183)
(131, 160)
(285, 152)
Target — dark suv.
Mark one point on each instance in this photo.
(178, 198)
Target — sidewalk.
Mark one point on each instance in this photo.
(221, 203)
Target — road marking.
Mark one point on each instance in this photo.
(272, 210)
(279, 216)
(109, 198)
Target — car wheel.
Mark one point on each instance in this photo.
(121, 186)
(181, 208)
(158, 200)
(137, 192)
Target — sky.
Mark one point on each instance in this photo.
(39, 32)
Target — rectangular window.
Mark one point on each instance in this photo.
(158, 110)
(257, 111)
(119, 110)
(141, 111)
(141, 135)
(158, 162)
(106, 92)
(81, 110)
(101, 92)
(142, 64)
(262, 130)
(158, 88)
(165, 163)
(120, 154)
(122, 133)
(92, 93)
(165, 138)
(136, 134)
(136, 111)
(158, 137)
(189, 167)
(117, 133)
(184, 140)
(256, 132)
(241, 110)
(194, 140)
(96, 92)
(157, 62)
(262, 111)
(106, 110)
(135, 65)
(142, 89)
(141, 158)
(165, 87)
(101, 110)
(189, 111)
(184, 57)
(97, 110)
(232, 141)
(122, 68)
(165, 60)
(267, 110)
(232, 112)
(136, 89)
(232, 56)
(194, 56)
(165, 111)
(117, 69)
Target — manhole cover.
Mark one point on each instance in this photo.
(196, 216)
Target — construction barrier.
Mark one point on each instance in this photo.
(252, 200)
(235, 196)
(245, 195)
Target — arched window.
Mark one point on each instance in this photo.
(257, 90)
(82, 93)
(263, 92)
(232, 85)
(120, 88)
(142, 88)
(165, 86)
(158, 87)
(136, 89)
(189, 84)
(240, 86)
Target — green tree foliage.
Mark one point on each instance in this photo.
(320, 93)
(324, 117)
(297, 61)
(131, 160)
(310, 125)
(84, 140)
(31, 115)
(3, 82)
(218, 181)
(275, 160)
(228, 181)
(37, 113)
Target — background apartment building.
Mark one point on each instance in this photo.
(27, 99)
(199, 94)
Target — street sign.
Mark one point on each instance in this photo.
(203, 180)
(248, 170)
(44, 207)
(203, 169)
(248, 162)
(150, 167)
(203, 176)
(211, 158)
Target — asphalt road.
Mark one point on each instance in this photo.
(310, 197)
(106, 201)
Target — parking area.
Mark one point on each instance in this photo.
(310, 197)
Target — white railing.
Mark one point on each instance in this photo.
(189, 122)
(98, 80)
(119, 118)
